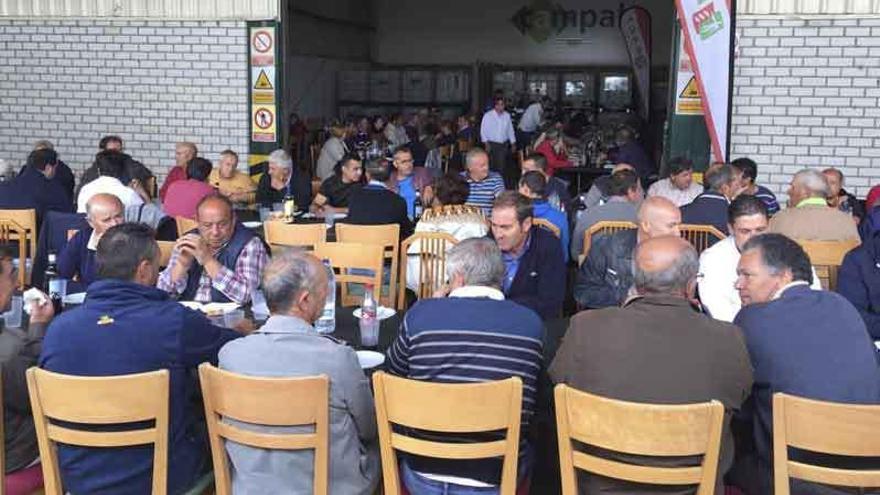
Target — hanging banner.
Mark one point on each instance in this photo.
(635, 26)
(706, 27)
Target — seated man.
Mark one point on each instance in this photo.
(710, 207)
(231, 182)
(409, 181)
(374, 204)
(533, 258)
(808, 216)
(63, 175)
(295, 285)
(77, 259)
(623, 197)
(809, 343)
(532, 185)
(668, 352)
(34, 187)
(128, 326)
(840, 198)
(858, 280)
(112, 178)
(557, 189)
(281, 179)
(184, 151)
(488, 338)
(746, 172)
(220, 261)
(19, 351)
(183, 196)
(605, 277)
(679, 187)
(485, 185)
(598, 193)
(337, 189)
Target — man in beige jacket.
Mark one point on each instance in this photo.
(808, 216)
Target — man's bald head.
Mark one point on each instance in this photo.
(622, 166)
(216, 220)
(665, 265)
(103, 211)
(658, 217)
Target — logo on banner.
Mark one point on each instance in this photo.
(707, 21)
(542, 19)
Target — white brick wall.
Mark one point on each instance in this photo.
(151, 82)
(806, 95)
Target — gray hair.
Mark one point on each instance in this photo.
(813, 181)
(281, 158)
(286, 277)
(552, 134)
(719, 176)
(100, 196)
(672, 279)
(44, 144)
(478, 260)
(472, 154)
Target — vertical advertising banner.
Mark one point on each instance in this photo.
(707, 27)
(635, 25)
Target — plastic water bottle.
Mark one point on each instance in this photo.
(327, 322)
(329, 216)
(369, 323)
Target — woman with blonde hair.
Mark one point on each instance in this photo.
(332, 151)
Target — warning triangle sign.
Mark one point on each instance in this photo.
(691, 90)
(263, 81)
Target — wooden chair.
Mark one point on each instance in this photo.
(431, 248)
(314, 152)
(825, 428)
(165, 250)
(279, 233)
(27, 219)
(281, 402)
(152, 187)
(606, 227)
(547, 224)
(99, 401)
(387, 236)
(445, 156)
(701, 236)
(26, 480)
(638, 429)
(464, 145)
(448, 408)
(826, 258)
(184, 225)
(345, 256)
(11, 231)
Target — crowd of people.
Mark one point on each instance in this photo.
(656, 321)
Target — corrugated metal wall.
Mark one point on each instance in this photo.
(160, 9)
(808, 7)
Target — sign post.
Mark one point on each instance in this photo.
(263, 87)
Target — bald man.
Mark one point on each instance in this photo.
(605, 277)
(184, 151)
(77, 259)
(220, 261)
(657, 348)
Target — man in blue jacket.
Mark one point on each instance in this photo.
(533, 185)
(128, 326)
(35, 188)
(858, 280)
(533, 259)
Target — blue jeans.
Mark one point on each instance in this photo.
(419, 485)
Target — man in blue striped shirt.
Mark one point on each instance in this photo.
(484, 184)
(474, 335)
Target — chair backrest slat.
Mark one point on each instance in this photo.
(279, 233)
(826, 257)
(387, 236)
(700, 236)
(27, 219)
(10, 231)
(547, 224)
(345, 256)
(604, 227)
(431, 248)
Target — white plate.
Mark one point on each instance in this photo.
(370, 359)
(336, 216)
(252, 225)
(381, 312)
(210, 308)
(77, 298)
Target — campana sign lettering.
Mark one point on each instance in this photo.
(542, 19)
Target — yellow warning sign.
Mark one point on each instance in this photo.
(262, 81)
(691, 90)
(263, 97)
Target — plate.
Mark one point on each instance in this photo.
(76, 298)
(370, 359)
(381, 312)
(252, 225)
(336, 216)
(212, 308)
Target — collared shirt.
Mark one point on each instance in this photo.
(407, 190)
(511, 263)
(812, 202)
(668, 190)
(497, 128)
(483, 192)
(238, 285)
(109, 185)
(788, 286)
(478, 291)
(531, 119)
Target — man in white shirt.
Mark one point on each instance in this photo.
(747, 217)
(679, 187)
(496, 132)
(530, 122)
(110, 168)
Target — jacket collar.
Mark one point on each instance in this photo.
(713, 196)
(123, 292)
(812, 202)
(286, 324)
(478, 291)
(659, 300)
(792, 288)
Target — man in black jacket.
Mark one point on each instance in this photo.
(375, 204)
(605, 277)
(859, 282)
(710, 208)
(533, 259)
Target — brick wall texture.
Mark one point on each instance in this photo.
(806, 95)
(151, 82)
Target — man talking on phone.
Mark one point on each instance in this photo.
(219, 261)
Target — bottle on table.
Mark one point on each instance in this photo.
(417, 207)
(55, 286)
(369, 322)
(289, 205)
(327, 321)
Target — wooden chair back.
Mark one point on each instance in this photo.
(448, 408)
(637, 429)
(701, 236)
(445, 156)
(345, 256)
(825, 428)
(464, 145)
(99, 401)
(826, 258)
(11, 231)
(26, 219)
(280, 233)
(184, 225)
(302, 401)
(165, 250)
(387, 236)
(314, 152)
(432, 248)
(605, 227)
(152, 187)
(547, 224)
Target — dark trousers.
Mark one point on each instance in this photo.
(501, 161)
